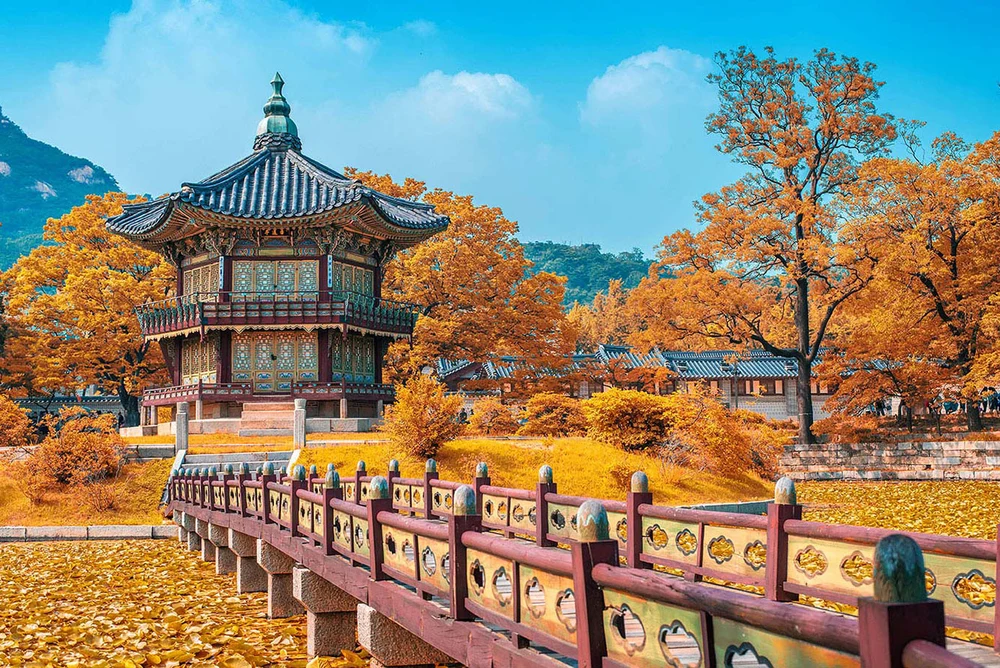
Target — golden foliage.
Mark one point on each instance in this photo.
(422, 418)
(582, 467)
(605, 320)
(690, 428)
(472, 282)
(491, 418)
(953, 508)
(552, 414)
(136, 492)
(774, 261)
(69, 309)
(16, 430)
(134, 603)
(81, 448)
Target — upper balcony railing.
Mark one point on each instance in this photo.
(246, 309)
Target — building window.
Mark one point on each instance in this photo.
(766, 387)
(353, 358)
(348, 278)
(822, 387)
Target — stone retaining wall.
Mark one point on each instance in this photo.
(12, 534)
(919, 460)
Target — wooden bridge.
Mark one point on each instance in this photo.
(435, 571)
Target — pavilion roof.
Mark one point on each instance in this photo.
(278, 186)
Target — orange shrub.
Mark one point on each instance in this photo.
(16, 430)
(688, 429)
(422, 418)
(628, 419)
(80, 449)
(551, 414)
(491, 418)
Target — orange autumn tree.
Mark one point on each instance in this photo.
(478, 297)
(605, 320)
(69, 309)
(937, 230)
(772, 264)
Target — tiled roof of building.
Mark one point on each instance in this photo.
(277, 182)
(714, 364)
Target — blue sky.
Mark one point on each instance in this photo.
(583, 121)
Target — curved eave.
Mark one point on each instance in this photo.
(160, 221)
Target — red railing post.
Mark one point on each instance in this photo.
(900, 611)
(391, 474)
(465, 517)
(545, 486)
(785, 507)
(297, 482)
(378, 500)
(241, 490)
(594, 547)
(361, 471)
(227, 477)
(265, 479)
(331, 490)
(638, 495)
(430, 474)
(481, 478)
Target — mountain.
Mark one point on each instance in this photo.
(587, 268)
(38, 182)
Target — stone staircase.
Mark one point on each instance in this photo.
(272, 418)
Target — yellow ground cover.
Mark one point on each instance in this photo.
(955, 508)
(581, 467)
(139, 494)
(135, 603)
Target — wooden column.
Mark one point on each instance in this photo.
(594, 547)
(638, 495)
(785, 507)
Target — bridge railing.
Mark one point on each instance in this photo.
(611, 599)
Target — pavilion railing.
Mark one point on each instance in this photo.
(201, 310)
(527, 561)
(313, 391)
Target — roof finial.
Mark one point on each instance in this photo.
(276, 130)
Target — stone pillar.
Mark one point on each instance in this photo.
(278, 566)
(188, 524)
(207, 548)
(299, 424)
(250, 576)
(178, 517)
(331, 613)
(181, 427)
(392, 645)
(225, 559)
(154, 417)
(199, 406)
(380, 408)
(343, 408)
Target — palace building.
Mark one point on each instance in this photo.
(279, 283)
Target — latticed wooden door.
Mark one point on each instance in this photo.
(274, 360)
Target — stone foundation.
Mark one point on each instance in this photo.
(924, 460)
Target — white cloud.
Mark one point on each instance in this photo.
(648, 83)
(421, 28)
(177, 76)
(465, 97)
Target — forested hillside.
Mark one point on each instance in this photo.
(587, 267)
(38, 181)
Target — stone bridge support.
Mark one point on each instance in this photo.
(250, 577)
(182, 534)
(225, 559)
(278, 566)
(331, 613)
(207, 548)
(392, 645)
(188, 524)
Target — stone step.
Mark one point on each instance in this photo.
(269, 431)
(266, 415)
(271, 423)
(236, 457)
(256, 406)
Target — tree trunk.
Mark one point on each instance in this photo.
(805, 402)
(130, 405)
(804, 394)
(973, 418)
